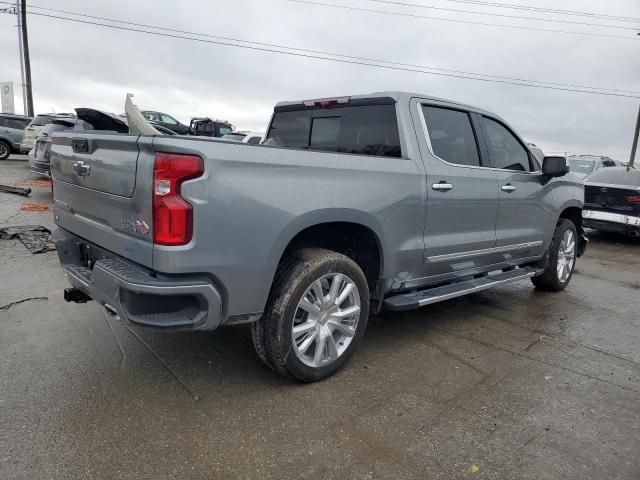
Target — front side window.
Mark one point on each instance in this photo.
(362, 130)
(505, 151)
(451, 135)
(254, 140)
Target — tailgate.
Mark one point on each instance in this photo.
(102, 190)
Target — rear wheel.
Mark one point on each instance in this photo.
(5, 150)
(315, 317)
(562, 258)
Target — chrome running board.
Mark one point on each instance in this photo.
(420, 298)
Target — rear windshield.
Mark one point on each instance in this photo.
(60, 126)
(581, 166)
(41, 120)
(362, 130)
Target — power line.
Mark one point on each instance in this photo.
(469, 22)
(503, 15)
(546, 10)
(337, 60)
(334, 54)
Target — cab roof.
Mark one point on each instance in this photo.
(396, 96)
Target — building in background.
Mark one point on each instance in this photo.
(6, 91)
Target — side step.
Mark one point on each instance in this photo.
(421, 298)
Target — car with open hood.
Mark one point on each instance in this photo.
(85, 119)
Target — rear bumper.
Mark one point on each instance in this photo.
(41, 168)
(610, 221)
(136, 295)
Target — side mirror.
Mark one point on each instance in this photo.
(555, 166)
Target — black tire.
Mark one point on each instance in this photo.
(272, 334)
(549, 280)
(5, 150)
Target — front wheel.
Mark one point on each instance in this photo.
(562, 258)
(315, 317)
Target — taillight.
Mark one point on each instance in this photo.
(172, 214)
(635, 199)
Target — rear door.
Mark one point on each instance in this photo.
(525, 217)
(462, 198)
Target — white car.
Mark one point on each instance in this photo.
(35, 127)
(252, 138)
(585, 165)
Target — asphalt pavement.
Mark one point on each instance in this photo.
(506, 383)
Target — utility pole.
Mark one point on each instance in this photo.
(24, 94)
(24, 56)
(634, 146)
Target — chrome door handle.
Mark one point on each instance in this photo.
(442, 186)
(508, 188)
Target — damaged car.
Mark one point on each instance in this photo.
(612, 201)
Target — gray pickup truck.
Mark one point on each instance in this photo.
(353, 204)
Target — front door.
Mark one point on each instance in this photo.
(462, 198)
(524, 216)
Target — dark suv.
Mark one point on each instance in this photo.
(167, 121)
(11, 133)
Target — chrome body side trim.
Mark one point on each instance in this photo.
(486, 251)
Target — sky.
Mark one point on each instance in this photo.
(82, 65)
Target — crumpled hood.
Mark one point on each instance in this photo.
(103, 120)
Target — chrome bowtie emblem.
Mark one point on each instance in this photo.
(81, 168)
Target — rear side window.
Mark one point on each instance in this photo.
(362, 130)
(505, 151)
(17, 123)
(451, 135)
(168, 119)
(151, 116)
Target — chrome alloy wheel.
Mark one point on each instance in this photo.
(566, 256)
(4, 151)
(326, 319)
